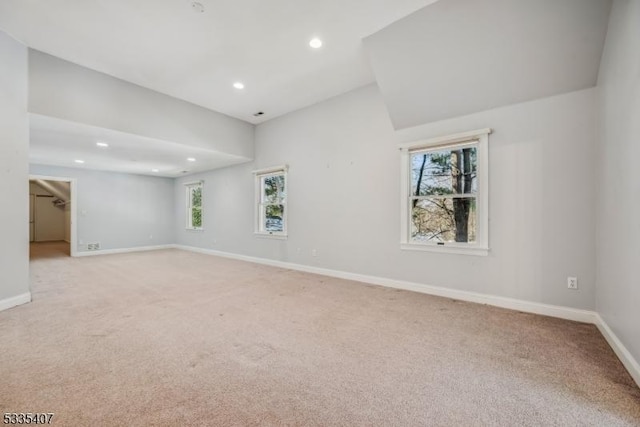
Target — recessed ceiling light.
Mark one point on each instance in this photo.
(191, 159)
(238, 85)
(79, 161)
(155, 170)
(102, 144)
(315, 43)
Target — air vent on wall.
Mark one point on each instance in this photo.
(93, 246)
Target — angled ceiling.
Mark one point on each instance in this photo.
(459, 57)
(58, 189)
(164, 45)
(431, 59)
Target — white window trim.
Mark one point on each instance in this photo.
(258, 175)
(481, 246)
(188, 186)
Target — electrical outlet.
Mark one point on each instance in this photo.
(314, 252)
(572, 282)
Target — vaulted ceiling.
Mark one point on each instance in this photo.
(166, 46)
(459, 57)
(432, 60)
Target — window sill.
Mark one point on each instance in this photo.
(270, 236)
(477, 251)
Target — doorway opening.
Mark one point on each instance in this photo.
(51, 217)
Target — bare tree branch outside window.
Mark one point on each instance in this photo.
(443, 195)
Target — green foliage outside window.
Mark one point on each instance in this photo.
(195, 206)
(273, 198)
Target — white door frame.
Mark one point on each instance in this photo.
(32, 215)
(74, 206)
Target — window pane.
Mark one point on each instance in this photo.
(196, 196)
(444, 220)
(273, 218)
(444, 172)
(196, 218)
(273, 189)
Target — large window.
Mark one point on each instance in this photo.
(194, 205)
(271, 202)
(444, 194)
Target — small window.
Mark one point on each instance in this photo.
(444, 197)
(194, 206)
(271, 202)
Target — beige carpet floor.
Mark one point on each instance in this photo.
(177, 338)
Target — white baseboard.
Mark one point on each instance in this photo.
(561, 312)
(124, 250)
(621, 351)
(8, 303)
(568, 313)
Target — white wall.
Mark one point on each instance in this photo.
(618, 204)
(49, 220)
(61, 89)
(119, 210)
(52, 223)
(344, 197)
(57, 219)
(14, 179)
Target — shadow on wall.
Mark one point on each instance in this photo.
(49, 211)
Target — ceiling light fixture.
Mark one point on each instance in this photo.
(191, 159)
(102, 144)
(79, 161)
(315, 43)
(238, 85)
